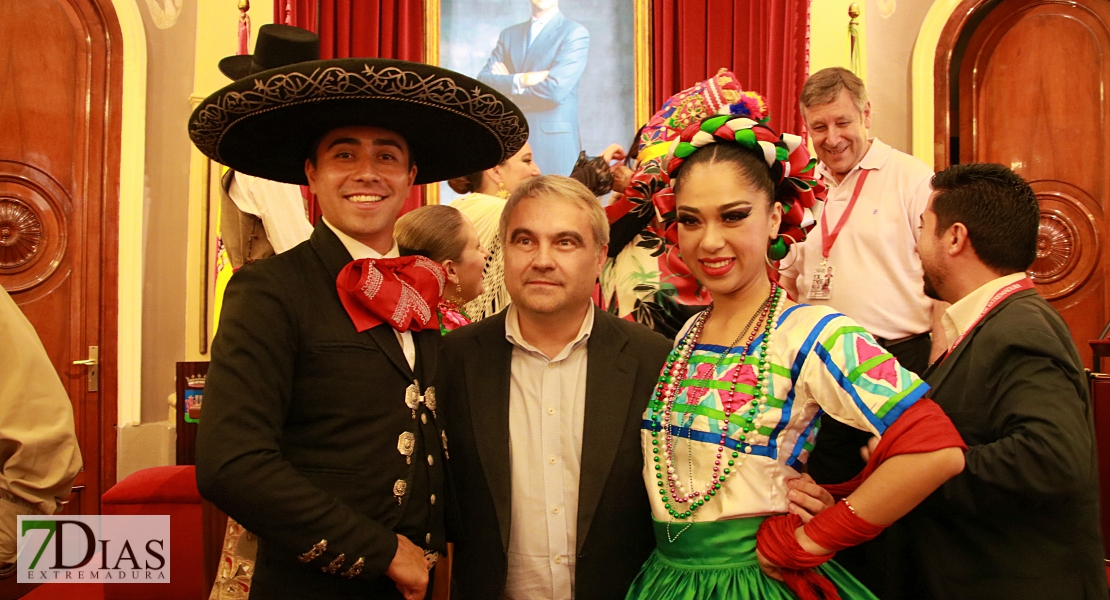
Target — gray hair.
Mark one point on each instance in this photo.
(824, 87)
(565, 188)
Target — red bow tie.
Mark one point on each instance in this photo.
(400, 291)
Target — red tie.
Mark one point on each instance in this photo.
(403, 292)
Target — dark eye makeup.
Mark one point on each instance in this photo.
(736, 215)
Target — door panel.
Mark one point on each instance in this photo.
(1032, 98)
(60, 91)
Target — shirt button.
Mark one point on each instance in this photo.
(431, 461)
(433, 499)
(428, 538)
(555, 509)
(551, 460)
(551, 365)
(551, 411)
(424, 418)
(558, 560)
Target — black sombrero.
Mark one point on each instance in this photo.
(278, 45)
(265, 124)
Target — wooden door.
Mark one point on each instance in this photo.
(1033, 88)
(60, 94)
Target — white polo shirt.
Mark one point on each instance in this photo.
(877, 278)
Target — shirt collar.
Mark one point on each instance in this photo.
(547, 19)
(962, 315)
(358, 249)
(876, 158)
(512, 333)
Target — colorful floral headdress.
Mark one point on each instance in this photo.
(719, 110)
(786, 157)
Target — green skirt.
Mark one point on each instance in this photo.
(716, 561)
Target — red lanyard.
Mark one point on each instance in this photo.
(828, 239)
(999, 296)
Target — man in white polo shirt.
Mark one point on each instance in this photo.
(861, 258)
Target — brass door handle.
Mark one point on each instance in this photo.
(94, 371)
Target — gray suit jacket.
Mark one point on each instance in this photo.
(552, 105)
(1022, 520)
(615, 533)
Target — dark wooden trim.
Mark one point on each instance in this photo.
(942, 74)
(108, 281)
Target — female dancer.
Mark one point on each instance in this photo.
(738, 404)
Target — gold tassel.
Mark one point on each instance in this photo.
(244, 27)
(855, 58)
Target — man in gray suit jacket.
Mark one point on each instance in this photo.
(538, 64)
(1021, 522)
(544, 403)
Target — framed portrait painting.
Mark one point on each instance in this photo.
(579, 69)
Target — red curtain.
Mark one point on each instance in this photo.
(372, 28)
(765, 42)
(298, 13)
(361, 28)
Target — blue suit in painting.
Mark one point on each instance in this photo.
(551, 106)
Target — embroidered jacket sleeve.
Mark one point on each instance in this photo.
(851, 377)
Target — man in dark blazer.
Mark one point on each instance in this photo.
(538, 63)
(319, 432)
(544, 403)
(1022, 520)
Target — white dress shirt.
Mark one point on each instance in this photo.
(877, 278)
(359, 250)
(962, 315)
(547, 400)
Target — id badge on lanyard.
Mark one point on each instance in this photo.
(821, 286)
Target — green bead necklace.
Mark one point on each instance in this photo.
(669, 388)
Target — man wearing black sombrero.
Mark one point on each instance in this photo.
(319, 431)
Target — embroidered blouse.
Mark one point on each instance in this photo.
(820, 362)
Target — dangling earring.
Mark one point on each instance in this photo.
(777, 250)
(501, 191)
(458, 293)
(771, 265)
